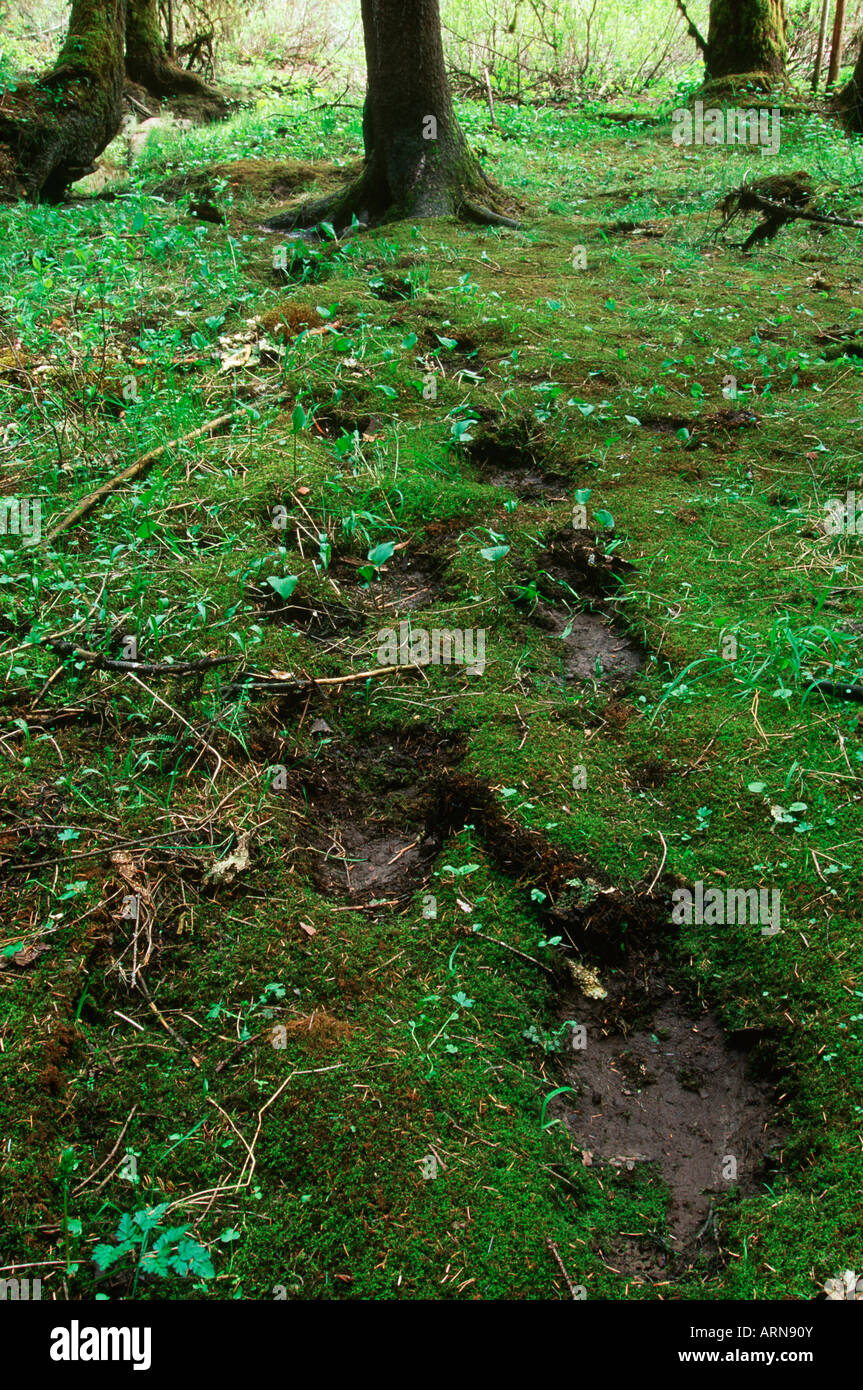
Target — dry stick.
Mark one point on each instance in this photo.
(133, 471)
(561, 1266)
(82, 1185)
(661, 865)
(275, 683)
(209, 747)
(822, 219)
(516, 952)
(166, 1025)
(91, 853)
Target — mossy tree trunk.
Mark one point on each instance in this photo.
(52, 130)
(418, 162)
(852, 98)
(747, 39)
(148, 61)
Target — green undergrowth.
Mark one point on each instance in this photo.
(429, 406)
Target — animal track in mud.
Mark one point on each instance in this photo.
(594, 646)
(408, 581)
(660, 1083)
(335, 424)
(720, 422)
(509, 454)
(321, 620)
(371, 839)
(318, 619)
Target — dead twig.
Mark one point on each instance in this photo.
(134, 470)
(561, 1266)
(141, 668)
(106, 1161)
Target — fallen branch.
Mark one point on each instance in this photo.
(291, 685)
(823, 219)
(134, 470)
(141, 668)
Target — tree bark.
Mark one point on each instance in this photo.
(836, 45)
(747, 39)
(148, 62)
(822, 40)
(418, 162)
(852, 98)
(52, 130)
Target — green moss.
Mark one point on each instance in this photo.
(720, 524)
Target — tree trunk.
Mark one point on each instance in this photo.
(836, 45)
(53, 129)
(418, 163)
(852, 98)
(149, 64)
(822, 40)
(747, 39)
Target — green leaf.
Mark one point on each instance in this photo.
(299, 418)
(149, 1217)
(462, 1000)
(558, 1091)
(106, 1255)
(494, 552)
(127, 1230)
(283, 587)
(192, 1258)
(381, 554)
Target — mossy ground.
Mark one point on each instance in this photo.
(405, 1036)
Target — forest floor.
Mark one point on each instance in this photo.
(321, 984)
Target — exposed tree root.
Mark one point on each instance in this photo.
(364, 204)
